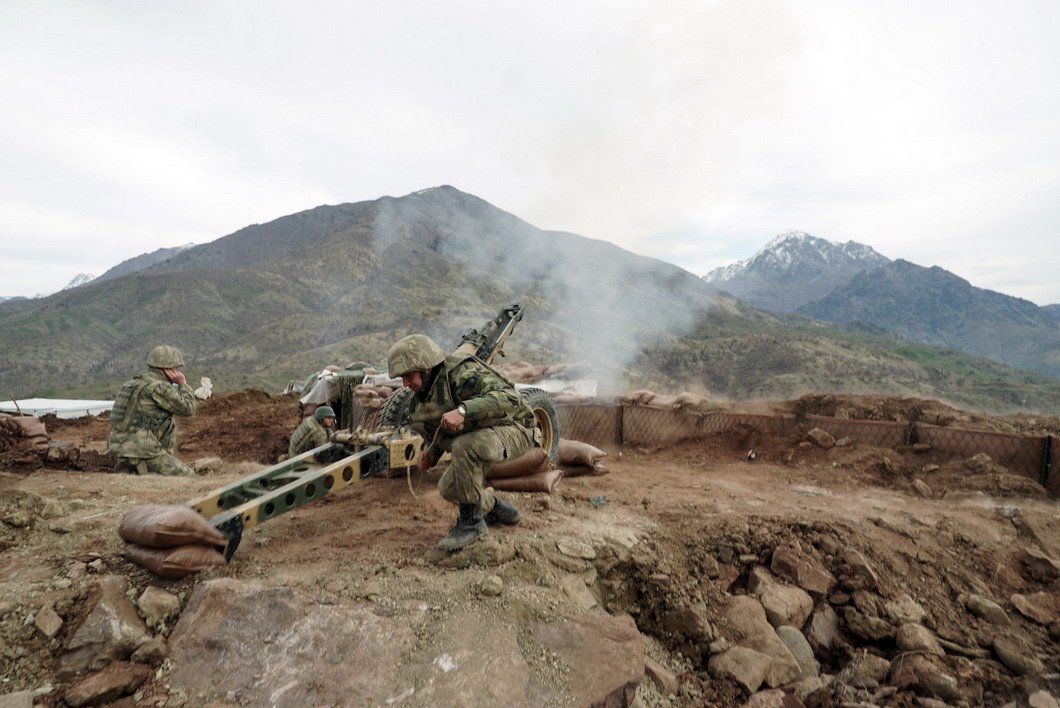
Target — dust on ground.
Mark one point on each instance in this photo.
(680, 528)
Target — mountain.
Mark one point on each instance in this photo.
(79, 280)
(934, 306)
(793, 269)
(145, 260)
(1052, 310)
(335, 284)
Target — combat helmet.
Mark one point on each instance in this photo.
(416, 352)
(165, 357)
(324, 412)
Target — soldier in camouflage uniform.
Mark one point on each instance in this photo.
(463, 406)
(142, 431)
(313, 432)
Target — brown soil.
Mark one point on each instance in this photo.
(702, 515)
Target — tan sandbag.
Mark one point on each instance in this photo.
(30, 426)
(541, 482)
(158, 526)
(596, 470)
(573, 452)
(533, 461)
(174, 562)
(642, 397)
(690, 401)
(662, 401)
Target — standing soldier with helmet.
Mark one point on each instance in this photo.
(142, 430)
(463, 406)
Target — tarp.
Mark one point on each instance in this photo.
(62, 408)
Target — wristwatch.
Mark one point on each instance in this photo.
(462, 410)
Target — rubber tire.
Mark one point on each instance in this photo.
(395, 410)
(547, 419)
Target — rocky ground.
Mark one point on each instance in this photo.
(687, 576)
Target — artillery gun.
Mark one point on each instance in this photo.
(357, 454)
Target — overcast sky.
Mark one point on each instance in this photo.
(693, 132)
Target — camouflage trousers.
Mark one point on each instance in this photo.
(164, 464)
(473, 454)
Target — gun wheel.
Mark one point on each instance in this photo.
(395, 410)
(547, 419)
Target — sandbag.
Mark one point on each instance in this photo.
(533, 461)
(596, 470)
(690, 401)
(158, 526)
(642, 397)
(572, 452)
(662, 402)
(541, 482)
(174, 562)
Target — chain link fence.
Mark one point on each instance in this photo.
(1019, 453)
(879, 433)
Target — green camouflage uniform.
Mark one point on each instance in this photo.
(309, 434)
(142, 430)
(499, 425)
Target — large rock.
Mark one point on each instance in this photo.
(824, 632)
(280, 646)
(915, 637)
(745, 623)
(864, 668)
(800, 648)
(48, 622)
(1039, 564)
(605, 655)
(1017, 657)
(119, 679)
(866, 626)
(860, 568)
(821, 438)
(904, 610)
(18, 699)
(919, 672)
(664, 679)
(784, 604)
(111, 631)
(986, 608)
(800, 568)
(746, 667)
(157, 605)
(1041, 607)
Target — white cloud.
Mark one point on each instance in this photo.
(693, 131)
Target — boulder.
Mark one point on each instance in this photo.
(157, 605)
(119, 679)
(746, 667)
(919, 672)
(47, 622)
(574, 587)
(151, 653)
(1042, 699)
(773, 698)
(866, 667)
(605, 653)
(821, 438)
(800, 568)
(866, 626)
(745, 621)
(986, 608)
(784, 604)
(1041, 607)
(904, 610)
(800, 649)
(823, 630)
(1017, 657)
(1038, 564)
(860, 567)
(915, 637)
(112, 630)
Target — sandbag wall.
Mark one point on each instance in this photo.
(23, 432)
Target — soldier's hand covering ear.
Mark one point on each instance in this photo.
(175, 375)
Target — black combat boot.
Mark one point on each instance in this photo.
(469, 526)
(503, 513)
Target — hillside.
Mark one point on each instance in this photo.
(793, 269)
(339, 283)
(144, 260)
(934, 306)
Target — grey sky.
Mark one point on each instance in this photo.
(693, 132)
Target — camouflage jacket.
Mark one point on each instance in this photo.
(141, 422)
(309, 434)
(489, 398)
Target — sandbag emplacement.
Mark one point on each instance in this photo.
(573, 453)
(157, 526)
(533, 461)
(595, 470)
(174, 562)
(541, 482)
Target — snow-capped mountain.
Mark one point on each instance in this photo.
(793, 269)
(80, 279)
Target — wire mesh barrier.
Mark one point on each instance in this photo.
(596, 424)
(879, 433)
(644, 425)
(1019, 453)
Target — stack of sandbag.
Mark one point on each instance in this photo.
(531, 472)
(579, 458)
(688, 402)
(171, 541)
(24, 432)
(569, 398)
(372, 395)
(525, 372)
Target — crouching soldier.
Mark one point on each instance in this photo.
(142, 430)
(313, 432)
(463, 406)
